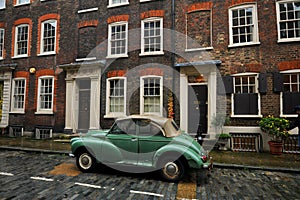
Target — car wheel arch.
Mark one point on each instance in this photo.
(172, 166)
(172, 154)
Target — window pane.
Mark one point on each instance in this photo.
(152, 95)
(245, 84)
(289, 20)
(152, 36)
(23, 1)
(46, 93)
(118, 39)
(22, 40)
(49, 35)
(116, 96)
(19, 94)
(242, 24)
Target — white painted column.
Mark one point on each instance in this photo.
(95, 103)
(212, 98)
(183, 102)
(6, 77)
(69, 105)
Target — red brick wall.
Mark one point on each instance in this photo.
(35, 13)
(269, 56)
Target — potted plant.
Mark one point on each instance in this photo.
(277, 128)
(223, 140)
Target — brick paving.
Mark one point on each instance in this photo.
(28, 176)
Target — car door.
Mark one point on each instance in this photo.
(123, 136)
(151, 138)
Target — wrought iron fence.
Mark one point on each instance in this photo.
(245, 142)
(290, 145)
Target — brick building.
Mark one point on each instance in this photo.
(121, 66)
(255, 45)
(76, 65)
(33, 43)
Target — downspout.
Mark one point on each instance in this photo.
(173, 55)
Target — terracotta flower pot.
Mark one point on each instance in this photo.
(275, 147)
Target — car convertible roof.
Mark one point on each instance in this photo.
(165, 123)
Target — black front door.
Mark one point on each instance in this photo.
(84, 105)
(197, 109)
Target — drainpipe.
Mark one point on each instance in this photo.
(173, 54)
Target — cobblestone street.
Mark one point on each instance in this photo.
(45, 176)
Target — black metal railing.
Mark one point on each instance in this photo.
(290, 145)
(245, 142)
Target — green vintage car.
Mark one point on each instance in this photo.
(141, 144)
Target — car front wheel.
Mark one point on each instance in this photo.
(85, 161)
(172, 170)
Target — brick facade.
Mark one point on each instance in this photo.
(82, 34)
(33, 14)
(268, 56)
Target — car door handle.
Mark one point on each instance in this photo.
(133, 139)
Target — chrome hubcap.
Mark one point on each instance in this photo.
(171, 169)
(85, 161)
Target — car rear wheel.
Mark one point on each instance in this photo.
(85, 161)
(171, 169)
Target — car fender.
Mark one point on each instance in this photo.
(93, 146)
(193, 159)
(102, 150)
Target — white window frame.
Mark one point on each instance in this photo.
(256, 91)
(115, 114)
(2, 4)
(293, 71)
(19, 2)
(255, 26)
(13, 108)
(278, 22)
(145, 0)
(109, 53)
(142, 100)
(111, 4)
(42, 52)
(152, 19)
(16, 55)
(44, 110)
(2, 49)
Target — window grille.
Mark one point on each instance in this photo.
(43, 133)
(290, 144)
(245, 142)
(16, 131)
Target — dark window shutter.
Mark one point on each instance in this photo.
(246, 104)
(220, 86)
(290, 100)
(253, 104)
(262, 83)
(277, 82)
(225, 85)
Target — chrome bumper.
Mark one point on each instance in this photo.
(208, 165)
